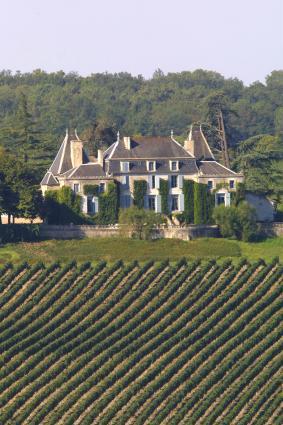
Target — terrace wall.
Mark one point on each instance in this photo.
(79, 232)
(272, 229)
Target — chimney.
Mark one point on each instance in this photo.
(100, 157)
(76, 152)
(189, 144)
(127, 143)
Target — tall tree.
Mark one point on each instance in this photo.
(260, 159)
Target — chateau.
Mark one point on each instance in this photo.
(141, 158)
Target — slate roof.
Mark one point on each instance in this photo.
(214, 169)
(186, 166)
(148, 147)
(62, 161)
(49, 180)
(90, 170)
(202, 150)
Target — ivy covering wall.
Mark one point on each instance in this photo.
(188, 190)
(62, 206)
(91, 189)
(164, 193)
(140, 187)
(199, 203)
(109, 205)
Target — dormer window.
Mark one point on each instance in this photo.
(174, 165)
(151, 166)
(125, 166)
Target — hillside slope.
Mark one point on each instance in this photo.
(191, 343)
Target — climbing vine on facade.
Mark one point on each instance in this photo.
(140, 187)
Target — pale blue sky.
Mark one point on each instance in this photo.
(238, 38)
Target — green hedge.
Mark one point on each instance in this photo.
(188, 190)
(164, 193)
(109, 205)
(140, 187)
(19, 233)
(200, 203)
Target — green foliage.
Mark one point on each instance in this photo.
(164, 193)
(236, 222)
(19, 194)
(188, 190)
(239, 195)
(91, 189)
(202, 204)
(139, 222)
(62, 206)
(140, 187)
(10, 233)
(30, 202)
(108, 205)
(260, 159)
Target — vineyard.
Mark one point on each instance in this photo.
(158, 343)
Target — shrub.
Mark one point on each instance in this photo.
(10, 233)
(140, 222)
(236, 222)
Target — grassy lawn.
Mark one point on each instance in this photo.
(128, 250)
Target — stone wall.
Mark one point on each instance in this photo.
(272, 229)
(79, 232)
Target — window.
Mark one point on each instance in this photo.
(90, 206)
(150, 165)
(220, 199)
(231, 184)
(125, 166)
(174, 165)
(210, 184)
(174, 202)
(174, 181)
(151, 202)
(76, 187)
(101, 187)
(153, 182)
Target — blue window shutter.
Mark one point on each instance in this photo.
(181, 202)
(145, 202)
(158, 204)
(150, 182)
(180, 181)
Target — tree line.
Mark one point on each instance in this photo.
(135, 105)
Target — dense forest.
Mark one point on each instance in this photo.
(36, 107)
